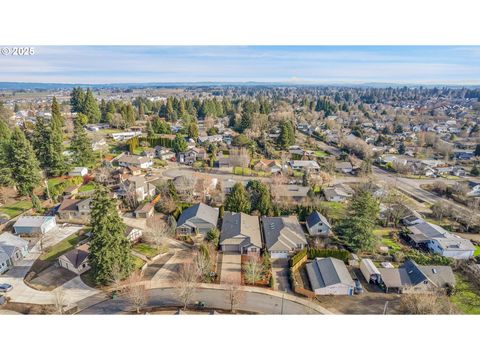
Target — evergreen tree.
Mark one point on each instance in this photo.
(5, 132)
(475, 171)
(246, 120)
(56, 113)
(81, 145)
(160, 126)
(192, 130)
(287, 135)
(477, 150)
(25, 168)
(237, 200)
(77, 99)
(5, 168)
(110, 255)
(260, 198)
(57, 161)
(179, 144)
(90, 108)
(171, 114)
(401, 149)
(41, 142)
(150, 132)
(356, 230)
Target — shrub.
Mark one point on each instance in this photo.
(422, 258)
(335, 253)
(297, 257)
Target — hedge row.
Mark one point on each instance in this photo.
(335, 253)
(297, 257)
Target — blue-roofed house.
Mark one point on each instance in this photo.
(317, 224)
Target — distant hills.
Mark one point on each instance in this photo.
(59, 86)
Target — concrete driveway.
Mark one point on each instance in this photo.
(231, 268)
(72, 290)
(280, 274)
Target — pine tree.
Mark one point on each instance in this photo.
(237, 200)
(110, 255)
(179, 144)
(5, 168)
(57, 160)
(150, 132)
(260, 198)
(81, 144)
(90, 108)
(25, 166)
(401, 149)
(41, 142)
(77, 99)
(171, 115)
(287, 136)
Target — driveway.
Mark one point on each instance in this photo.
(231, 268)
(280, 274)
(72, 290)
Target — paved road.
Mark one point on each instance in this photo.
(214, 298)
(73, 290)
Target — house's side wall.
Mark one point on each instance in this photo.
(336, 289)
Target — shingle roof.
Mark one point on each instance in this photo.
(33, 221)
(236, 225)
(10, 243)
(202, 211)
(77, 256)
(323, 272)
(315, 217)
(283, 233)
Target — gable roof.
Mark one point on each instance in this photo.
(324, 272)
(283, 233)
(33, 221)
(201, 211)
(77, 256)
(240, 225)
(10, 243)
(315, 218)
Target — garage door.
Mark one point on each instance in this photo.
(279, 255)
(230, 248)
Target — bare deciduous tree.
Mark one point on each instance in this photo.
(186, 282)
(239, 157)
(157, 231)
(60, 300)
(134, 291)
(425, 304)
(253, 269)
(235, 294)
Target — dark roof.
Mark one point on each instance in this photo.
(283, 233)
(414, 273)
(238, 225)
(201, 211)
(315, 217)
(323, 272)
(78, 255)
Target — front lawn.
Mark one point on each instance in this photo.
(147, 250)
(466, 297)
(477, 250)
(87, 187)
(64, 246)
(321, 153)
(16, 209)
(138, 263)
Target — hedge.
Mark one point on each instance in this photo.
(297, 257)
(335, 253)
(427, 259)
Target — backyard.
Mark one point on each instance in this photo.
(466, 297)
(63, 246)
(148, 250)
(386, 239)
(16, 209)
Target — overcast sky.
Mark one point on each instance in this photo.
(296, 64)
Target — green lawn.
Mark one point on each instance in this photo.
(87, 187)
(336, 210)
(477, 250)
(320, 153)
(16, 209)
(54, 181)
(146, 249)
(138, 263)
(140, 149)
(297, 173)
(466, 297)
(63, 246)
(386, 240)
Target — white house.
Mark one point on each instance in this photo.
(452, 246)
(304, 165)
(12, 250)
(317, 224)
(121, 136)
(142, 162)
(32, 225)
(329, 276)
(78, 171)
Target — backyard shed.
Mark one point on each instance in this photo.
(370, 271)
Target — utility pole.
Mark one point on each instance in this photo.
(385, 308)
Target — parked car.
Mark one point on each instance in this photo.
(5, 287)
(358, 287)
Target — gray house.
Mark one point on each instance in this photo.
(317, 224)
(197, 219)
(12, 250)
(76, 209)
(240, 233)
(34, 225)
(329, 276)
(283, 235)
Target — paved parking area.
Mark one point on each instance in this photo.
(280, 274)
(231, 268)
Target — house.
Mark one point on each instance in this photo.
(335, 194)
(269, 166)
(75, 209)
(34, 225)
(283, 235)
(440, 241)
(413, 218)
(414, 278)
(370, 271)
(76, 260)
(197, 219)
(191, 155)
(240, 233)
(145, 211)
(344, 167)
(301, 165)
(163, 153)
(292, 193)
(141, 162)
(12, 250)
(78, 171)
(329, 276)
(133, 234)
(317, 224)
(140, 186)
(122, 136)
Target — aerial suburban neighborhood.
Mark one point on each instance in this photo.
(327, 200)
